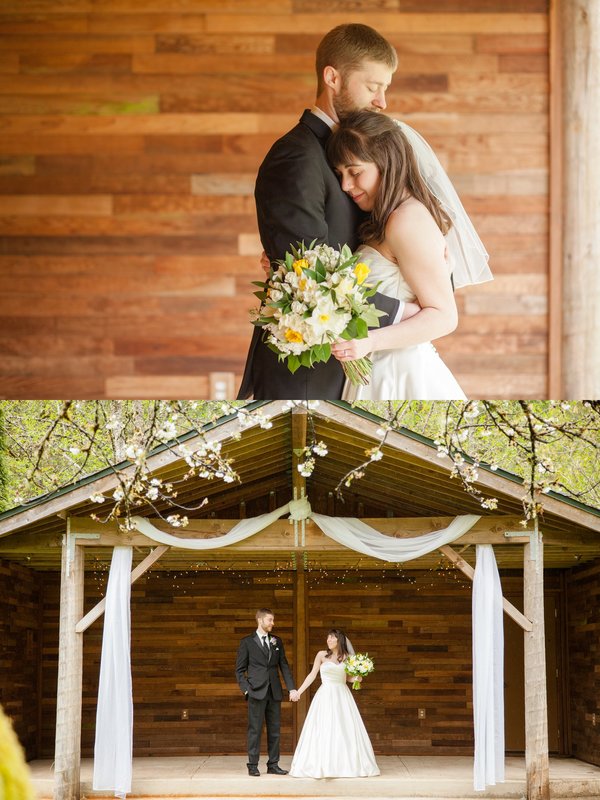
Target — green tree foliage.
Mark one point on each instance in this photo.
(552, 446)
(4, 487)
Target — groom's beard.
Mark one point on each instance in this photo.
(344, 103)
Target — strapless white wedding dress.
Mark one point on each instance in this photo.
(413, 373)
(334, 742)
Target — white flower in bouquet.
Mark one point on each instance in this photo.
(358, 665)
(315, 297)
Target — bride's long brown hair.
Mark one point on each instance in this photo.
(342, 644)
(372, 137)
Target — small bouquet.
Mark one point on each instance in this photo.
(358, 665)
(314, 297)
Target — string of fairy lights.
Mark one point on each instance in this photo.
(280, 575)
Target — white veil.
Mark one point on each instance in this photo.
(349, 646)
(467, 255)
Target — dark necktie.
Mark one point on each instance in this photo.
(265, 645)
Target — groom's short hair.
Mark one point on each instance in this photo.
(262, 613)
(347, 46)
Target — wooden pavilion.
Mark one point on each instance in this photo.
(188, 612)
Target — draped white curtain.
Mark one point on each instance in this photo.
(112, 767)
(488, 671)
(114, 715)
(356, 535)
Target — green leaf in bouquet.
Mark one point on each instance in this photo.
(289, 261)
(348, 263)
(371, 316)
(362, 329)
(259, 283)
(351, 331)
(310, 273)
(320, 272)
(306, 358)
(346, 252)
(293, 363)
(311, 245)
(322, 352)
(260, 295)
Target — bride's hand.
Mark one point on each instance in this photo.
(352, 350)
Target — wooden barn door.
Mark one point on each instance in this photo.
(514, 689)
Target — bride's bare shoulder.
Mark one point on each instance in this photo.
(411, 222)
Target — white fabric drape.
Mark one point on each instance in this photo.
(356, 535)
(488, 671)
(114, 715)
(240, 531)
(114, 723)
(348, 531)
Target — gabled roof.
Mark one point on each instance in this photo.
(410, 481)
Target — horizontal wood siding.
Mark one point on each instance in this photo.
(186, 627)
(583, 593)
(20, 641)
(130, 136)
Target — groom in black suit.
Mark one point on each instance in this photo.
(259, 659)
(299, 198)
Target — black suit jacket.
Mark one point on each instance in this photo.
(299, 198)
(255, 672)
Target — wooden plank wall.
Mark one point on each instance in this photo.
(20, 643)
(130, 136)
(583, 593)
(186, 627)
(185, 631)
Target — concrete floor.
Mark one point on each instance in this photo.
(401, 777)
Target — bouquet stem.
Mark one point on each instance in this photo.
(356, 685)
(358, 371)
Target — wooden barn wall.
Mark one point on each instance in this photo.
(20, 642)
(185, 631)
(130, 135)
(583, 593)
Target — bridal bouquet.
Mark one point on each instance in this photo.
(359, 664)
(316, 296)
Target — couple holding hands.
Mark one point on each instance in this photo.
(347, 174)
(334, 742)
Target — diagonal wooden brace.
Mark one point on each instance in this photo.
(468, 570)
(97, 611)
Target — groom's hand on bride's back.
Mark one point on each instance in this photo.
(265, 264)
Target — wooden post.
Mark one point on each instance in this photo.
(300, 644)
(299, 431)
(536, 706)
(67, 754)
(580, 23)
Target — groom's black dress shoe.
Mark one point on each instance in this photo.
(253, 771)
(276, 770)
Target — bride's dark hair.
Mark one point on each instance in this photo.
(374, 138)
(343, 651)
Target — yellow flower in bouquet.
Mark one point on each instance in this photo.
(314, 297)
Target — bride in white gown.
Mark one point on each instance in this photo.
(334, 742)
(407, 252)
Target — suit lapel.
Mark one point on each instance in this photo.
(258, 643)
